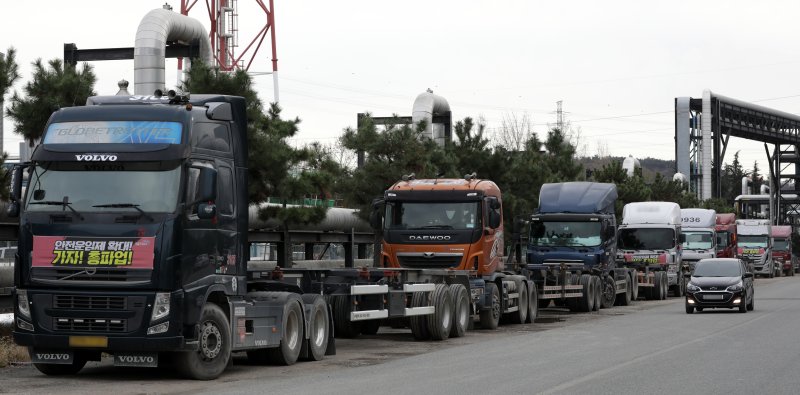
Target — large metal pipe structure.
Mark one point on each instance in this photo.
(337, 219)
(426, 105)
(156, 28)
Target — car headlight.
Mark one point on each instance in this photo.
(735, 287)
(692, 288)
(23, 306)
(161, 306)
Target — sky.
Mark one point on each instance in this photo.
(617, 66)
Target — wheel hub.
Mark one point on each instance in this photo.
(210, 341)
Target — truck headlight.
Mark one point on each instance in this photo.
(161, 306)
(23, 306)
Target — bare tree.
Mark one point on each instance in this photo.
(515, 129)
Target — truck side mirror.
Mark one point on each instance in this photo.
(375, 215)
(17, 173)
(207, 186)
(494, 219)
(682, 238)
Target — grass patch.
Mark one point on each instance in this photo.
(11, 353)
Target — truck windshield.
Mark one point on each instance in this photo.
(646, 239)
(575, 234)
(698, 240)
(152, 191)
(780, 245)
(429, 215)
(722, 239)
(753, 241)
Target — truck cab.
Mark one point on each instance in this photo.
(726, 235)
(782, 249)
(755, 246)
(698, 228)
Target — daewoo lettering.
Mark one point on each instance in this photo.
(429, 238)
(96, 158)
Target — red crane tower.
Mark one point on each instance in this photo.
(224, 34)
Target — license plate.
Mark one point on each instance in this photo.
(712, 297)
(88, 341)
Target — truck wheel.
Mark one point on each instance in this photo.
(587, 300)
(665, 281)
(318, 326)
(52, 369)
(291, 338)
(440, 323)
(609, 292)
(490, 318)
(624, 299)
(521, 315)
(597, 292)
(634, 285)
(419, 323)
(533, 303)
(214, 346)
(573, 303)
(341, 318)
(658, 287)
(461, 315)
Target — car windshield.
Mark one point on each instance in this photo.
(152, 190)
(698, 240)
(429, 215)
(753, 241)
(576, 234)
(646, 239)
(780, 244)
(712, 268)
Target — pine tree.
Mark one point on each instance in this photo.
(53, 86)
(9, 74)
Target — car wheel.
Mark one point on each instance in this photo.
(743, 305)
(752, 303)
(699, 309)
(689, 309)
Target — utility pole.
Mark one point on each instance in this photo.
(560, 117)
(2, 112)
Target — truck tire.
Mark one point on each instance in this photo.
(533, 302)
(609, 292)
(52, 369)
(341, 318)
(461, 314)
(597, 286)
(419, 323)
(291, 337)
(624, 299)
(587, 300)
(634, 284)
(319, 328)
(490, 318)
(521, 315)
(658, 287)
(441, 321)
(680, 286)
(214, 346)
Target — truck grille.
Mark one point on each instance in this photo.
(89, 302)
(441, 260)
(90, 324)
(95, 275)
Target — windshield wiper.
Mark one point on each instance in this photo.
(63, 203)
(126, 205)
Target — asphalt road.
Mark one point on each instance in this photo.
(650, 347)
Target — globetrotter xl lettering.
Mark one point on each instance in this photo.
(50, 251)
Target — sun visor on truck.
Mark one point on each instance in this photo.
(577, 197)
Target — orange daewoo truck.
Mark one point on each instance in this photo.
(455, 225)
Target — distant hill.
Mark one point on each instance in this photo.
(650, 166)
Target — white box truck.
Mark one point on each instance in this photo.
(699, 236)
(649, 241)
(755, 246)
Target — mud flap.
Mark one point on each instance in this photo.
(331, 349)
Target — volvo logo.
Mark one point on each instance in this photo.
(429, 237)
(95, 158)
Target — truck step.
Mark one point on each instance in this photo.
(368, 315)
(424, 310)
(369, 289)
